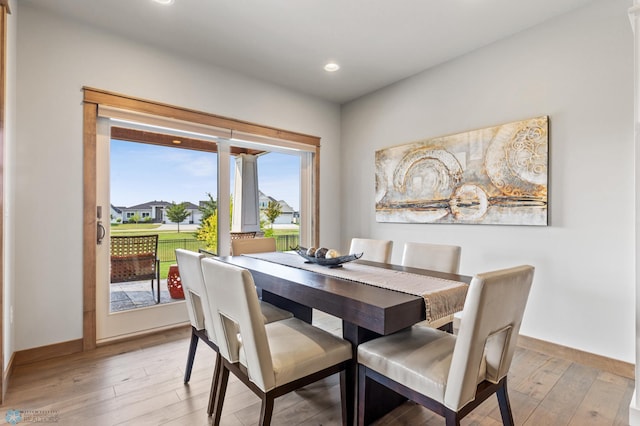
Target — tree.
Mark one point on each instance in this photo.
(177, 213)
(273, 210)
(208, 207)
(135, 218)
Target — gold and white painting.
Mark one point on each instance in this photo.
(496, 175)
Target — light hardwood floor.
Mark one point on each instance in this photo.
(139, 382)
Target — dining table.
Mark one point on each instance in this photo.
(367, 296)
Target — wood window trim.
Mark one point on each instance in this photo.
(93, 98)
(90, 119)
(102, 97)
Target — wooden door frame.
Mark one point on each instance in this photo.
(95, 98)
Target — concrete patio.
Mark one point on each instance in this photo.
(131, 295)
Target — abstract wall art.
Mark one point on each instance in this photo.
(496, 175)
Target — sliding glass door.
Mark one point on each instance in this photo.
(144, 172)
(125, 173)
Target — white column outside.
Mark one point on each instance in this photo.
(224, 239)
(246, 212)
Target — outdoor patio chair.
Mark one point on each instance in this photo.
(135, 258)
(253, 245)
(242, 235)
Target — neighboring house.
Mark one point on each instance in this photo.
(153, 209)
(195, 216)
(156, 210)
(288, 215)
(115, 214)
(263, 200)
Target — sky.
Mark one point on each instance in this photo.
(143, 172)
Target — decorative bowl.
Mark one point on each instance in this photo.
(335, 262)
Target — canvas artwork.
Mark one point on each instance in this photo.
(496, 175)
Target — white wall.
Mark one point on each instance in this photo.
(8, 182)
(56, 58)
(578, 69)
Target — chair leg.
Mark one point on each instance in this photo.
(191, 356)
(505, 405)
(451, 418)
(266, 411)
(223, 379)
(347, 397)
(158, 278)
(375, 397)
(213, 394)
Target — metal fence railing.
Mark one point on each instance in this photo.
(286, 242)
(167, 248)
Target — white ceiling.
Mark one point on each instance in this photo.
(287, 42)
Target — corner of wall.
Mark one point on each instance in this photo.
(8, 296)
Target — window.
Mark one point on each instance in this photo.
(196, 130)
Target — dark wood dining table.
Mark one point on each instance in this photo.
(366, 311)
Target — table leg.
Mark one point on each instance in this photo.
(386, 400)
(302, 312)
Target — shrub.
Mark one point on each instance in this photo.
(208, 232)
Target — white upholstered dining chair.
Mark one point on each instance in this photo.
(449, 374)
(252, 245)
(373, 250)
(272, 359)
(198, 308)
(434, 257)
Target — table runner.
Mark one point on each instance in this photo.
(442, 297)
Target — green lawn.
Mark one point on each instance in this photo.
(162, 235)
(164, 269)
(135, 226)
(148, 228)
(165, 236)
(286, 231)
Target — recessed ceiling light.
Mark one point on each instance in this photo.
(164, 1)
(331, 67)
